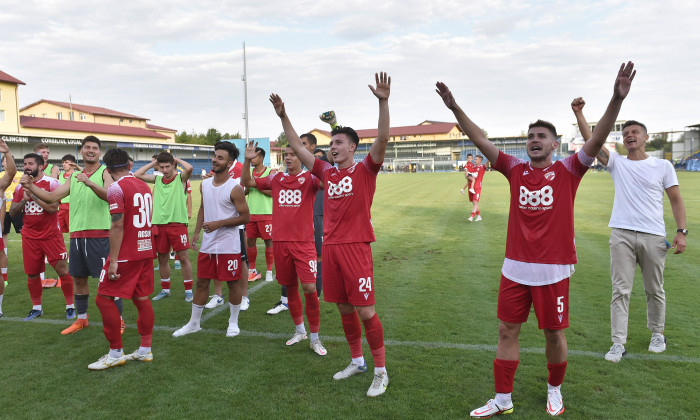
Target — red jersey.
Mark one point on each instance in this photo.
(38, 223)
(541, 219)
(132, 198)
(480, 170)
(236, 170)
(292, 204)
(469, 167)
(347, 200)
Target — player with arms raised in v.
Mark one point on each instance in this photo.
(347, 232)
(540, 250)
(128, 271)
(293, 196)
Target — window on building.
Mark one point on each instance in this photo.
(131, 121)
(43, 115)
(71, 115)
(32, 115)
(2, 115)
(83, 117)
(59, 115)
(0, 94)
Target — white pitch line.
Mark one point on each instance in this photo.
(391, 343)
(224, 307)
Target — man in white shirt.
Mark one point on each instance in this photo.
(638, 232)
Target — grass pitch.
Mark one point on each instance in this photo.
(436, 286)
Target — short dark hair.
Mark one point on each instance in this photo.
(92, 139)
(116, 159)
(229, 147)
(352, 134)
(545, 124)
(319, 150)
(37, 158)
(70, 158)
(311, 137)
(260, 151)
(165, 157)
(633, 122)
(40, 146)
(469, 154)
(479, 157)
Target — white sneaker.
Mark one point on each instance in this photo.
(140, 357)
(478, 218)
(318, 348)
(245, 303)
(268, 276)
(107, 362)
(462, 191)
(616, 352)
(555, 405)
(352, 369)
(471, 190)
(471, 219)
(379, 384)
(215, 301)
(297, 337)
(658, 343)
(189, 296)
(187, 329)
(491, 409)
(279, 307)
(232, 330)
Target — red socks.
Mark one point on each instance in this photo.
(252, 256)
(67, 288)
(503, 375)
(35, 289)
(313, 311)
(111, 323)
(556, 373)
(145, 320)
(269, 258)
(375, 338)
(353, 333)
(294, 303)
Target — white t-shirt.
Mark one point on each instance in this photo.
(639, 193)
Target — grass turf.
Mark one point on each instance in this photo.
(436, 286)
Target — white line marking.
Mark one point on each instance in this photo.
(397, 343)
(224, 307)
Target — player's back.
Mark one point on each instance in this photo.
(132, 197)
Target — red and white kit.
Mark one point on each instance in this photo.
(132, 198)
(347, 271)
(292, 213)
(541, 213)
(479, 170)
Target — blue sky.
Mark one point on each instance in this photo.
(508, 63)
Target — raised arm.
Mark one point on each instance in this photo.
(623, 82)
(10, 168)
(186, 169)
(381, 91)
(306, 157)
(143, 176)
(577, 106)
(678, 208)
(473, 131)
(247, 179)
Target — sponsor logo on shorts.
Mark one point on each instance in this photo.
(560, 316)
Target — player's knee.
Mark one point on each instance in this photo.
(554, 337)
(508, 331)
(365, 312)
(308, 288)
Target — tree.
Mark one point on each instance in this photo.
(211, 137)
(282, 140)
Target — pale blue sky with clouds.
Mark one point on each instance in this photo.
(508, 63)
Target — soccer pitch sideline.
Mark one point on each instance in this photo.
(436, 286)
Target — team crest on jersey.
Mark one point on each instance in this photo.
(549, 176)
(352, 168)
(301, 181)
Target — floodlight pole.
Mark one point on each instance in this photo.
(244, 78)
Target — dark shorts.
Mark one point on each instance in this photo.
(17, 222)
(318, 232)
(244, 252)
(87, 256)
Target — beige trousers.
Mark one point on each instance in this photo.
(627, 249)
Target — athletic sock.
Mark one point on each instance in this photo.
(144, 350)
(196, 314)
(235, 310)
(35, 289)
(111, 324)
(504, 374)
(556, 373)
(503, 399)
(319, 279)
(284, 293)
(359, 361)
(478, 213)
(116, 353)
(4, 274)
(1, 296)
(36, 307)
(284, 300)
(313, 337)
(473, 214)
(252, 256)
(269, 258)
(353, 333)
(188, 284)
(81, 305)
(375, 338)
(294, 305)
(313, 311)
(41, 276)
(67, 288)
(165, 284)
(300, 328)
(145, 320)
(120, 306)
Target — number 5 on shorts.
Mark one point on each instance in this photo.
(560, 304)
